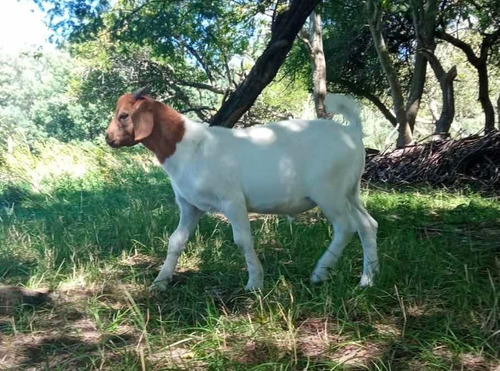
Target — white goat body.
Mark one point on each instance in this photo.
(286, 167)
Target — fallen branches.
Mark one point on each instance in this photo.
(472, 161)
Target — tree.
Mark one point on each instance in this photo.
(285, 28)
(37, 99)
(192, 44)
(424, 13)
(484, 18)
(352, 62)
(313, 40)
(352, 65)
(374, 11)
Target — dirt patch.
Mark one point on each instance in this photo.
(63, 335)
(14, 297)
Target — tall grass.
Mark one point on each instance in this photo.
(92, 225)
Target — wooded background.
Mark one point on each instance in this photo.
(422, 66)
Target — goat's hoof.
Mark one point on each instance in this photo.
(366, 281)
(159, 287)
(319, 277)
(254, 286)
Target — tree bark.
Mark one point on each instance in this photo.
(416, 89)
(480, 63)
(313, 40)
(424, 24)
(498, 109)
(448, 112)
(424, 19)
(374, 20)
(484, 96)
(443, 124)
(284, 30)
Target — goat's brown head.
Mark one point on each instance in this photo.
(140, 119)
(133, 120)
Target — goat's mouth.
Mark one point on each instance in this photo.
(120, 143)
(112, 142)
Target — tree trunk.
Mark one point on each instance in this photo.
(448, 112)
(313, 40)
(374, 20)
(424, 23)
(480, 63)
(284, 30)
(484, 97)
(424, 19)
(416, 89)
(498, 109)
(443, 124)
(318, 63)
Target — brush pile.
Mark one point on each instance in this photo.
(472, 161)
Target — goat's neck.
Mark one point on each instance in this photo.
(194, 134)
(168, 132)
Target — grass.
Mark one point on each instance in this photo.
(96, 237)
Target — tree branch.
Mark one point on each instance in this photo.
(198, 57)
(284, 32)
(191, 109)
(488, 41)
(304, 37)
(199, 85)
(466, 48)
(356, 90)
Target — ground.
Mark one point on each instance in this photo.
(97, 242)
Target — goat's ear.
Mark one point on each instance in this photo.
(143, 120)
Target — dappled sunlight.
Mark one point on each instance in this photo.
(388, 328)
(467, 361)
(257, 135)
(362, 354)
(98, 242)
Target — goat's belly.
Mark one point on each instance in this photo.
(288, 207)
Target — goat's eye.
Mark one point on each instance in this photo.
(123, 116)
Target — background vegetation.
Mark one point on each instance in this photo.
(194, 54)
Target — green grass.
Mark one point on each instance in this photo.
(97, 239)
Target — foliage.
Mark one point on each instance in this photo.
(38, 101)
(191, 52)
(352, 63)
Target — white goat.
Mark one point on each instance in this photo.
(286, 167)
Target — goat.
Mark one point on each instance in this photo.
(286, 167)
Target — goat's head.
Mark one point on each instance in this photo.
(140, 119)
(133, 119)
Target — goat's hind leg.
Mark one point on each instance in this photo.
(347, 215)
(367, 231)
(190, 215)
(338, 213)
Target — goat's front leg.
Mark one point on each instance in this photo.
(190, 215)
(237, 214)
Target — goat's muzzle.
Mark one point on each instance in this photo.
(110, 141)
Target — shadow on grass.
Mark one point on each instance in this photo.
(436, 290)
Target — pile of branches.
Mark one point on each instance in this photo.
(472, 162)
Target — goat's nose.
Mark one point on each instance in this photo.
(110, 141)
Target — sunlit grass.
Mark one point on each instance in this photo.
(98, 239)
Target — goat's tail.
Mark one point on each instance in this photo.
(347, 107)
